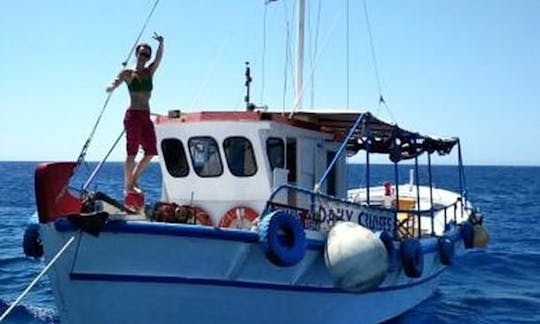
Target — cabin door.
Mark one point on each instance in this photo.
(308, 161)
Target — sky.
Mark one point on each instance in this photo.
(451, 68)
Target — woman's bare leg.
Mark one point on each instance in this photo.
(129, 168)
(139, 168)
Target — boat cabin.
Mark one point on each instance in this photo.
(222, 160)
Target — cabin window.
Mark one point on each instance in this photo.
(205, 156)
(175, 158)
(275, 150)
(239, 156)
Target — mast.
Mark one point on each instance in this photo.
(300, 55)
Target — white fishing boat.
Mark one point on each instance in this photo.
(255, 225)
(244, 233)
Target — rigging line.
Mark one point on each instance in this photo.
(287, 41)
(86, 145)
(372, 47)
(140, 33)
(263, 63)
(98, 167)
(290, 47)
(89, 139)
(325, 44)
(375, 63)
(314, 54)
(310, 42)
(211, 68)
(33, 283)
(348, 55)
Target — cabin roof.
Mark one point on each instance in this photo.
(373, 134)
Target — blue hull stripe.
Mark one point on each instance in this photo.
(429, 245)
(81, 276)
(185, 230)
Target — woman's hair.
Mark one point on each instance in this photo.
(143, 45)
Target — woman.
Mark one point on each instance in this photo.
(137, 124)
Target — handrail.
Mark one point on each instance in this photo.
(339, 152)
(417, 213)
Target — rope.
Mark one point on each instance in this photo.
(263, 63)
(210, 69)
(140, 33)
(53, 260)
(327, 40)
(314, 54)
(347, 55)
(287, 53)
(98, 167)
(376, 68)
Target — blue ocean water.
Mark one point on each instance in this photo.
(497, 285)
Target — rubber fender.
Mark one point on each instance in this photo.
(467, 234)
(446, 250)
(412, 258)
(282, 238)
(388, 242)
(32, 245)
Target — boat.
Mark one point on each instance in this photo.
(244, 233)
(255, 223)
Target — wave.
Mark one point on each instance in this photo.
(31, 314)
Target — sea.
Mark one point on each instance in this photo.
(500, 284)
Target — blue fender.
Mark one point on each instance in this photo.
(446, 250)
(32, 245)
(282, 238)
(388, 242)
(412, 258)
(467, 234)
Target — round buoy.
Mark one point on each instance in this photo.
(446, 250)
(32, 245)
(239, 217)
(480, 236)
(412, 258)
(282, 238)
(355, 257)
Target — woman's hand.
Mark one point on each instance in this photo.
(157, 37)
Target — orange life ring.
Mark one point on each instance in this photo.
(237, 217)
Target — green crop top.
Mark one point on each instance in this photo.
(140, 85)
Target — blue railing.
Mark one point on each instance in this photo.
(311, 208)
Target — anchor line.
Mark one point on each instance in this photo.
(33, 283)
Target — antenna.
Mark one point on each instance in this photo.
(249, 106)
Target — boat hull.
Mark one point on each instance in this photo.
(158, 300)
(144, 272)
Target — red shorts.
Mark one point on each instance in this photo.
(139, 131)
